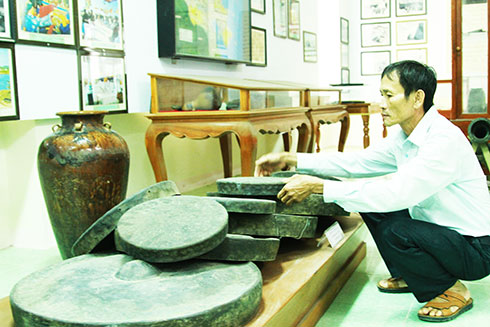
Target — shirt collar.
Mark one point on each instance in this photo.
(418, 135)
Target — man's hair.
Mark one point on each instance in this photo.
(414, 76)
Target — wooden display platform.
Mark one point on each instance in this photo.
(300, 284)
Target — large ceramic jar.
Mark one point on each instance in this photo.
(83, 168)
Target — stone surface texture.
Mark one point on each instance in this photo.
(172, 229)
(246, 205)
(244, 248)
(273, 225)
(117, 290)
(312, 172)
(250, 186)
(106, 224)
(313, 205)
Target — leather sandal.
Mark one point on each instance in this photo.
(394, 286)
(453, 300)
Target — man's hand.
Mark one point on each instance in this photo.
(298, 187)
(269, 163)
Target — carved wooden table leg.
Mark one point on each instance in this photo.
(365, 122)
(153, 141)
(344, 131)
(226, 154)
(304, 137)
(247, 136)
(286, 138)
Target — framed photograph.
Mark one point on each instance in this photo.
(373, 62)
(411, 7)
(375, 9)
(258, 47)
(5, 19)
(8, 94)
(293, 22)
(344, 30)
(100, 24)
(103, 83)
(411, 32)
(309, 47)
(419, 55)
(375, 34)
(344, 55)
(280, 8)
(344, 76)
(47, 21)
(258, 6)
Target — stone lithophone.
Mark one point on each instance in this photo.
(245, 205)
(244, 248)
(250, 186)
(106, 224)
(312, 205)
(117, 290)
(172, 229)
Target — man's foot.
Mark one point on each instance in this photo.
(448, 305)
(393, 285)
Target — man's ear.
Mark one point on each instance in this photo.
(419, 98)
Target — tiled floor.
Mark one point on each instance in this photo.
(358, 304)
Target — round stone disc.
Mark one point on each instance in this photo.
(117, 290)
(250, 186)
(172, 229)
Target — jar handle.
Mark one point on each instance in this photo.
(78, 127)
(107, 125)
(55, 128)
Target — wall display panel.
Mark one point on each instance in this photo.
(104, 83)
(47, 21)
(100, 24)
(259, 47)
(309, 47)
(294, 20)
(47, 80)
(373, 62)
(280, 8)
(5, 31)
(204, 29)
(8, 95)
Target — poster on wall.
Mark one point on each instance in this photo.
(104, 83)
(411, 7)
(294, 20)
(309, 47)
(280, 8)
(100, 24)
(259, 47)
(373, 62)
(419, 54)
(5, 19)
(8, 103)
(48, 21)
(375, 9)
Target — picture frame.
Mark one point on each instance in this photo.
(344, 55)
(5, 28)
(294, 20)
(376, 34)
(100, 24)
(344, 30)
(309, 47)
(9, 104)
(410, 7)
(411, 32)
(35, 23)
(258, 47)
(103, 82)
(280, 13)
(373, 62)
(417, 54)
(371, 9)
(344, 75)
(257, 6)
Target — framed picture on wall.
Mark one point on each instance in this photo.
(344, 55)
(293, 22)
(411, 32)
(411, 7)
(258, 47)
(103, 82)
(5, 19)
(344, 76)
(100, 24)
(8, 94)
(344, 30)
(258, 6)
(309, 47)
(373, 62)
(47, 21)
(375, 9)
(375, 34)
(419, 55)
(280, 8)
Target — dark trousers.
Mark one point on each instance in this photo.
(429, 257)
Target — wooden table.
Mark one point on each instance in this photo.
(362, 108)
(245, 125)
(327, 115)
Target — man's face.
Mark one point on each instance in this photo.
(396, 109)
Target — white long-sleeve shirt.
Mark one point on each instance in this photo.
(434, 173)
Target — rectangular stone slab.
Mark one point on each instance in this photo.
(245, 205)
(313, 205)
(272, 225)
(244, 248)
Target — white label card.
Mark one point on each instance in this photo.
(333, 234)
